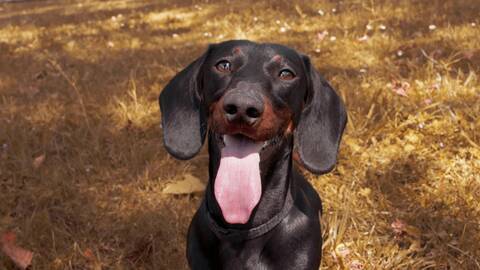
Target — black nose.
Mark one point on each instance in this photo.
(242, 108)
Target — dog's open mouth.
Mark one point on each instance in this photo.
(238, 186)
(220, 139)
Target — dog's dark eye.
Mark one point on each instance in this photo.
(286, 75)
(224, 66)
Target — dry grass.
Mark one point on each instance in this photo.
(79, 83)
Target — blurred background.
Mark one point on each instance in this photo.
(86, 184)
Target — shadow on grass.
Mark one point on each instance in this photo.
(95, 188)
(441, 236)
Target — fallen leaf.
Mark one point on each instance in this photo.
(356, 265)
(189, 184)
(353, 145)
(469, 54)
(21, 257)
(412, 137)
(90, 256)
(398, 226)
(365, 192)
(38, 161)
(88, 253)
(363, 38)
(321, 36)
(434, 87)
(342, 250)
(57, 263)
(400, 88)
(408, 148)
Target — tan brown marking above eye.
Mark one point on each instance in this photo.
(236, 50)
(277, 58)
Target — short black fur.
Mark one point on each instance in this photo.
(284, 229)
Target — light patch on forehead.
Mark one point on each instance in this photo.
(236, 50)
(277, 58)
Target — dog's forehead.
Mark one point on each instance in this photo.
(279, 52)
(261, 51)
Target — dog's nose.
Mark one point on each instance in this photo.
(242, 108)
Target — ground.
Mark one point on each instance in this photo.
(82, 166)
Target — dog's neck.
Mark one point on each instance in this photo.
(276, 175)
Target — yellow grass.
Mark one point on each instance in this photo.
(79, 83)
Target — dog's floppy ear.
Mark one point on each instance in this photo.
(183, 116)
(321, 124)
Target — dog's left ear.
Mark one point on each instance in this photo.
(184, 120)
(320, 128)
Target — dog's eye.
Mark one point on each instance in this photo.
(224, 66)
(286, 75)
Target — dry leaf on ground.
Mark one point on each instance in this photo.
(356, 265)
(189, 184)
(342, 250)
(21, 257)
(400, 88)
(38, 161)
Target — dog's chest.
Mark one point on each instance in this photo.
(247, 254)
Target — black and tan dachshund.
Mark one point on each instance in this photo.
(262, 105)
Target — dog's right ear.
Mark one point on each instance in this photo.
(184, 119)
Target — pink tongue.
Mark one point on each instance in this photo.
(238, 187)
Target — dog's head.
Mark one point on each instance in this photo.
(260, 91)
(249, 96)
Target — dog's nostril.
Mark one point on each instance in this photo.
(253, 112)
(230, 109)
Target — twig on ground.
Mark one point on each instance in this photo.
(72, 83)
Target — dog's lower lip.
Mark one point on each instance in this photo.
(221, 140)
